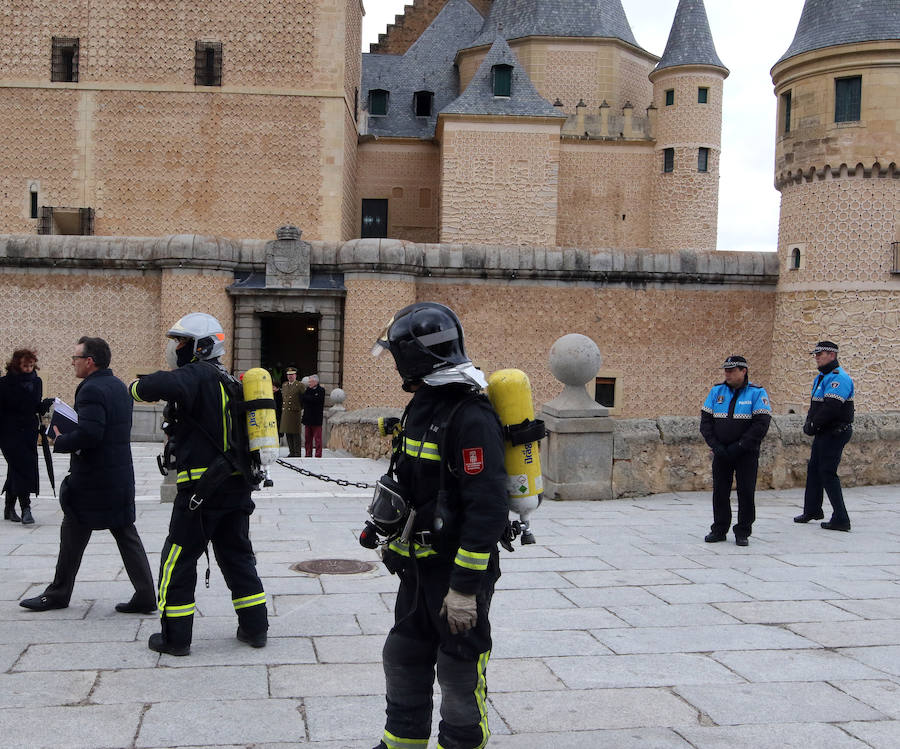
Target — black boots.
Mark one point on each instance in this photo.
(9, 509)
(25, 504)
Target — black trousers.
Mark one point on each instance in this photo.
(73, 539)
(724, 471)
(821, 476)
(419, 641)
(228, 530)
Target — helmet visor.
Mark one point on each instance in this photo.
(382, 343)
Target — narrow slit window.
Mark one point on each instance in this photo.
(501, 80)
(668, 159)
(786, 112)
(702, 159)
(33, 194)
(64, 59)
(208, 63)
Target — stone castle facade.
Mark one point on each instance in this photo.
(535, 169)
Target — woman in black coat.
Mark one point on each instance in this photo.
(21, 392)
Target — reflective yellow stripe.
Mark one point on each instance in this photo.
(472, 560)
(191, 474)
(395, 742)
(480, 695)
(424, 450)
(165, 576)
(257, 599)
(134, 392)
(224, 417)
(172, 612)
(402, 549)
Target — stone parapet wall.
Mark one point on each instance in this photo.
(667, 454)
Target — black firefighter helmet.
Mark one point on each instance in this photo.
(423, 338)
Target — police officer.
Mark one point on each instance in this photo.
(829, 422)
(446, 578)
(213, 500)
(733, 420)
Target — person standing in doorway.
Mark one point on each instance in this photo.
(313, 410)
(291, 394)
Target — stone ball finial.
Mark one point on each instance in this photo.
(338, 396)
(288, 233)
(575, 359)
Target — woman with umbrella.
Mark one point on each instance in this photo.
(21, 392)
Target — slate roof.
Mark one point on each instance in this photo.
(513, 19)
(690, 40)
(829, 23)
(523, 101)
(428, 65)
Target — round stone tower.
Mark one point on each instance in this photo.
(837, 144)
(687, 93)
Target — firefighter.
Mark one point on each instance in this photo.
(447, 576)
(213, 501)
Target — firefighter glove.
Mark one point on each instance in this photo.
(461, 611)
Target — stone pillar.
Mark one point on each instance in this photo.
(604, 119)
(338, 396)
(577, 456)
(628, 114)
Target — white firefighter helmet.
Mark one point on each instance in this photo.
(204, 331)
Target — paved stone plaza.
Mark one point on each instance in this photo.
(620, 629)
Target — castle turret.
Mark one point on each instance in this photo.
(836, 154)
(687, 94)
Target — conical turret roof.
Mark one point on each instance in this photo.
(514, 19)
(523, 101)
(829, 23)
(690, 40)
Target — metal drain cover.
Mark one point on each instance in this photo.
(333, 566)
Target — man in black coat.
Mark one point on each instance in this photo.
(98, 493)
(313, 402)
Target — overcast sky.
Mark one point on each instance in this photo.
(749, 37)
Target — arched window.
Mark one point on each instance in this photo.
(501, 80)
(422, 101)
(378, 102)
(796, 256)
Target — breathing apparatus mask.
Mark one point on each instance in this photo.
(391, 515)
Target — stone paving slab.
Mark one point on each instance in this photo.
(619, 629)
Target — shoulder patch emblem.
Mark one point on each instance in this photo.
(720, 399)
(835, 384)
(765, 401)
(473, 460)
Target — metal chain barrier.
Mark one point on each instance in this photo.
(323, 477)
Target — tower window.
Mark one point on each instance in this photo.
(796, 256)
(847, 98)
(378, 102)
(786, 112)
(422, 101)
(702, 159)
(208, 63)
(702, 95)
(668, 159)
(501, 80)
(64, 59)
(33, 192)
(670, 97)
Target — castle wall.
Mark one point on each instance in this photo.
(603, 192)
(844, 290)
(499, 182)
(152, 153)
(407, 175)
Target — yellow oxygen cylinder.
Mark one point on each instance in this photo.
(262, 426)
(510, 393)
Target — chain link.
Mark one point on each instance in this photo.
(323, 477)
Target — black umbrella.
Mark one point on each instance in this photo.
(48, 459)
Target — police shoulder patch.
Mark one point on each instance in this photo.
(473, 460)
(835, 384)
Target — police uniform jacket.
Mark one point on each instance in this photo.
(202, 405)
(99, 490)
(737, 416)
(477, 511)
(291, 393)
(831, 404)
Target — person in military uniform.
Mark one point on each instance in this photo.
(734, 419)
(830, 423)
(213, 503)
(449, 455)
(291, 397)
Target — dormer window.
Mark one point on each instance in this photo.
(378, 102)
(501, 80)
(422, 101)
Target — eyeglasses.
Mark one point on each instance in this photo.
(80, 357)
